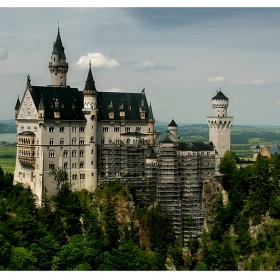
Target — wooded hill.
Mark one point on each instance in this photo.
(110, 230)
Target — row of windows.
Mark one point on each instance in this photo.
(66, 153)
(74, 141)
(62, 129)
(117, 129)
(29, 128)
(74, 165)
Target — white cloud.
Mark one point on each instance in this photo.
(216, 79)
(257, 82)
(98, 60)
(144, 64)
(114, 90)
(3, 53)
(162, 104)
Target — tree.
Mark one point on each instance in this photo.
(60, 177)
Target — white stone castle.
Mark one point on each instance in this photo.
(98, 137)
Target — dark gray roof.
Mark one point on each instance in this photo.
(173, 123)
(152, 155)
(219, 95)
(17, 104)
(70, 101)
(194, 146)
(27, 133)
(130, 103)
(58, 47)
(150, 114)
(90, 83)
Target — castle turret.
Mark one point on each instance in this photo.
(151, 126)
(219, 126)
(90, 112)
(58, 65)
(173, 128)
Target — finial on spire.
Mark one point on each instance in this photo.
(58, 27)
(28, 79)
(90, 64)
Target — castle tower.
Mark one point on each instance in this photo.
(90, 112)
(219, 126)
(151, 126)
(173, 128)
(58, 65)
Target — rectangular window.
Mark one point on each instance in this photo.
(105, 128)
(116, 129)
(82, 129)
(74, 176)
(82, 176)
(35, 128)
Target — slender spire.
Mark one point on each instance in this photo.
(17, 104)
(150, 114)
(41, 104)
(90, 83)
(58, 46)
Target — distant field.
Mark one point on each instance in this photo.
(8, 164)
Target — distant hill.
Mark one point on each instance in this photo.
(8, 126)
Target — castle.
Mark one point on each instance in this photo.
(98, 137)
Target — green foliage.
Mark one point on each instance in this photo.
(81, 230)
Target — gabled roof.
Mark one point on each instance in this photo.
(70, 101)
(219, 95)
(165, 137)
(131, 103)
(173, 123)
(58, 47)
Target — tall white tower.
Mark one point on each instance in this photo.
(90, 112)
(58, 65)
(219, 126)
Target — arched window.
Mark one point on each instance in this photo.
(51, 153)
(82, 164)
(74, 141)
(51, 141)
(65, 153)
(65, 165)
(92, 139)
(127, 141)
(51, 129)
(82, 154)
(62, 141)
(74, 153)
(82, 141)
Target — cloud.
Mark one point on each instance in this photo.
(3, 53)
(144, 64)
(257, 82)
(98, 60)
(114, 90)
(217, 79)
(162, 104)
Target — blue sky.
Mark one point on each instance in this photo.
(181, 56)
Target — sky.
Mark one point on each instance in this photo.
(181, 56)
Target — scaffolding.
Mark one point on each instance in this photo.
(123, 162)
(168, 190)
(195, 167)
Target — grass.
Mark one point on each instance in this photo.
(8, 164)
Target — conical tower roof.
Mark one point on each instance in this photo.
(17, 104)
(173, 123)
(90, 83)
(219, 95)
(150, 113)
(58, 47)
(41, 104)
